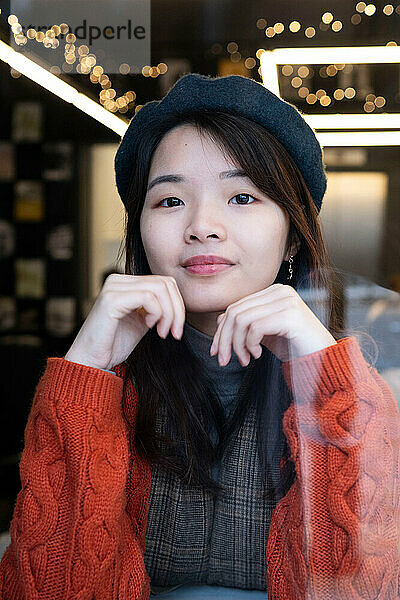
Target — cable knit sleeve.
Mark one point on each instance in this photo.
(335, 534)
(71, 535)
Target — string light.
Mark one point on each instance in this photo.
(310, 32)
(296, 82)
(338, 94)
(374, 54)
(124, 68)
(295, 26)
(250, 63)
(369, 107)
(325, 100)
(326, 22)
(303, 71)
(303, 92)
(356, 19)
(87, 62)
(236, 57)
(327, 18)
(370, 10)
(232, 47)
(337, 26)
(350, 92)
(287, 70)
(371, 101)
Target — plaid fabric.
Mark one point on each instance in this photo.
(192, 540)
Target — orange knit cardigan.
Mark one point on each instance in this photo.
(79, 522)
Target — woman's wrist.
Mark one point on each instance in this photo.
(81, 361)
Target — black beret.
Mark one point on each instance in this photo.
(235, 94)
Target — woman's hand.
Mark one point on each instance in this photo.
(124, 311)
(275, 317)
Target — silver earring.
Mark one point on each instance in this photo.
(290, 267)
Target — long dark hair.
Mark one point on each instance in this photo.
(167, 375)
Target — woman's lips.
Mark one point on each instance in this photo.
(208, 269)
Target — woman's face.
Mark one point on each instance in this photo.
(209, 213)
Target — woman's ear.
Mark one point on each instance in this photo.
(294, 248)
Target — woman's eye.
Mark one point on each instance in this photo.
(170, 198)
(237, 196)
(241, 195)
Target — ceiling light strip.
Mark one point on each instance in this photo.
(354, 121)
(60, 88)
(358, 138)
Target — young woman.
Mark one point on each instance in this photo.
(207, 435)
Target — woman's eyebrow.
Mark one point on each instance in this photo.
(175, 178)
